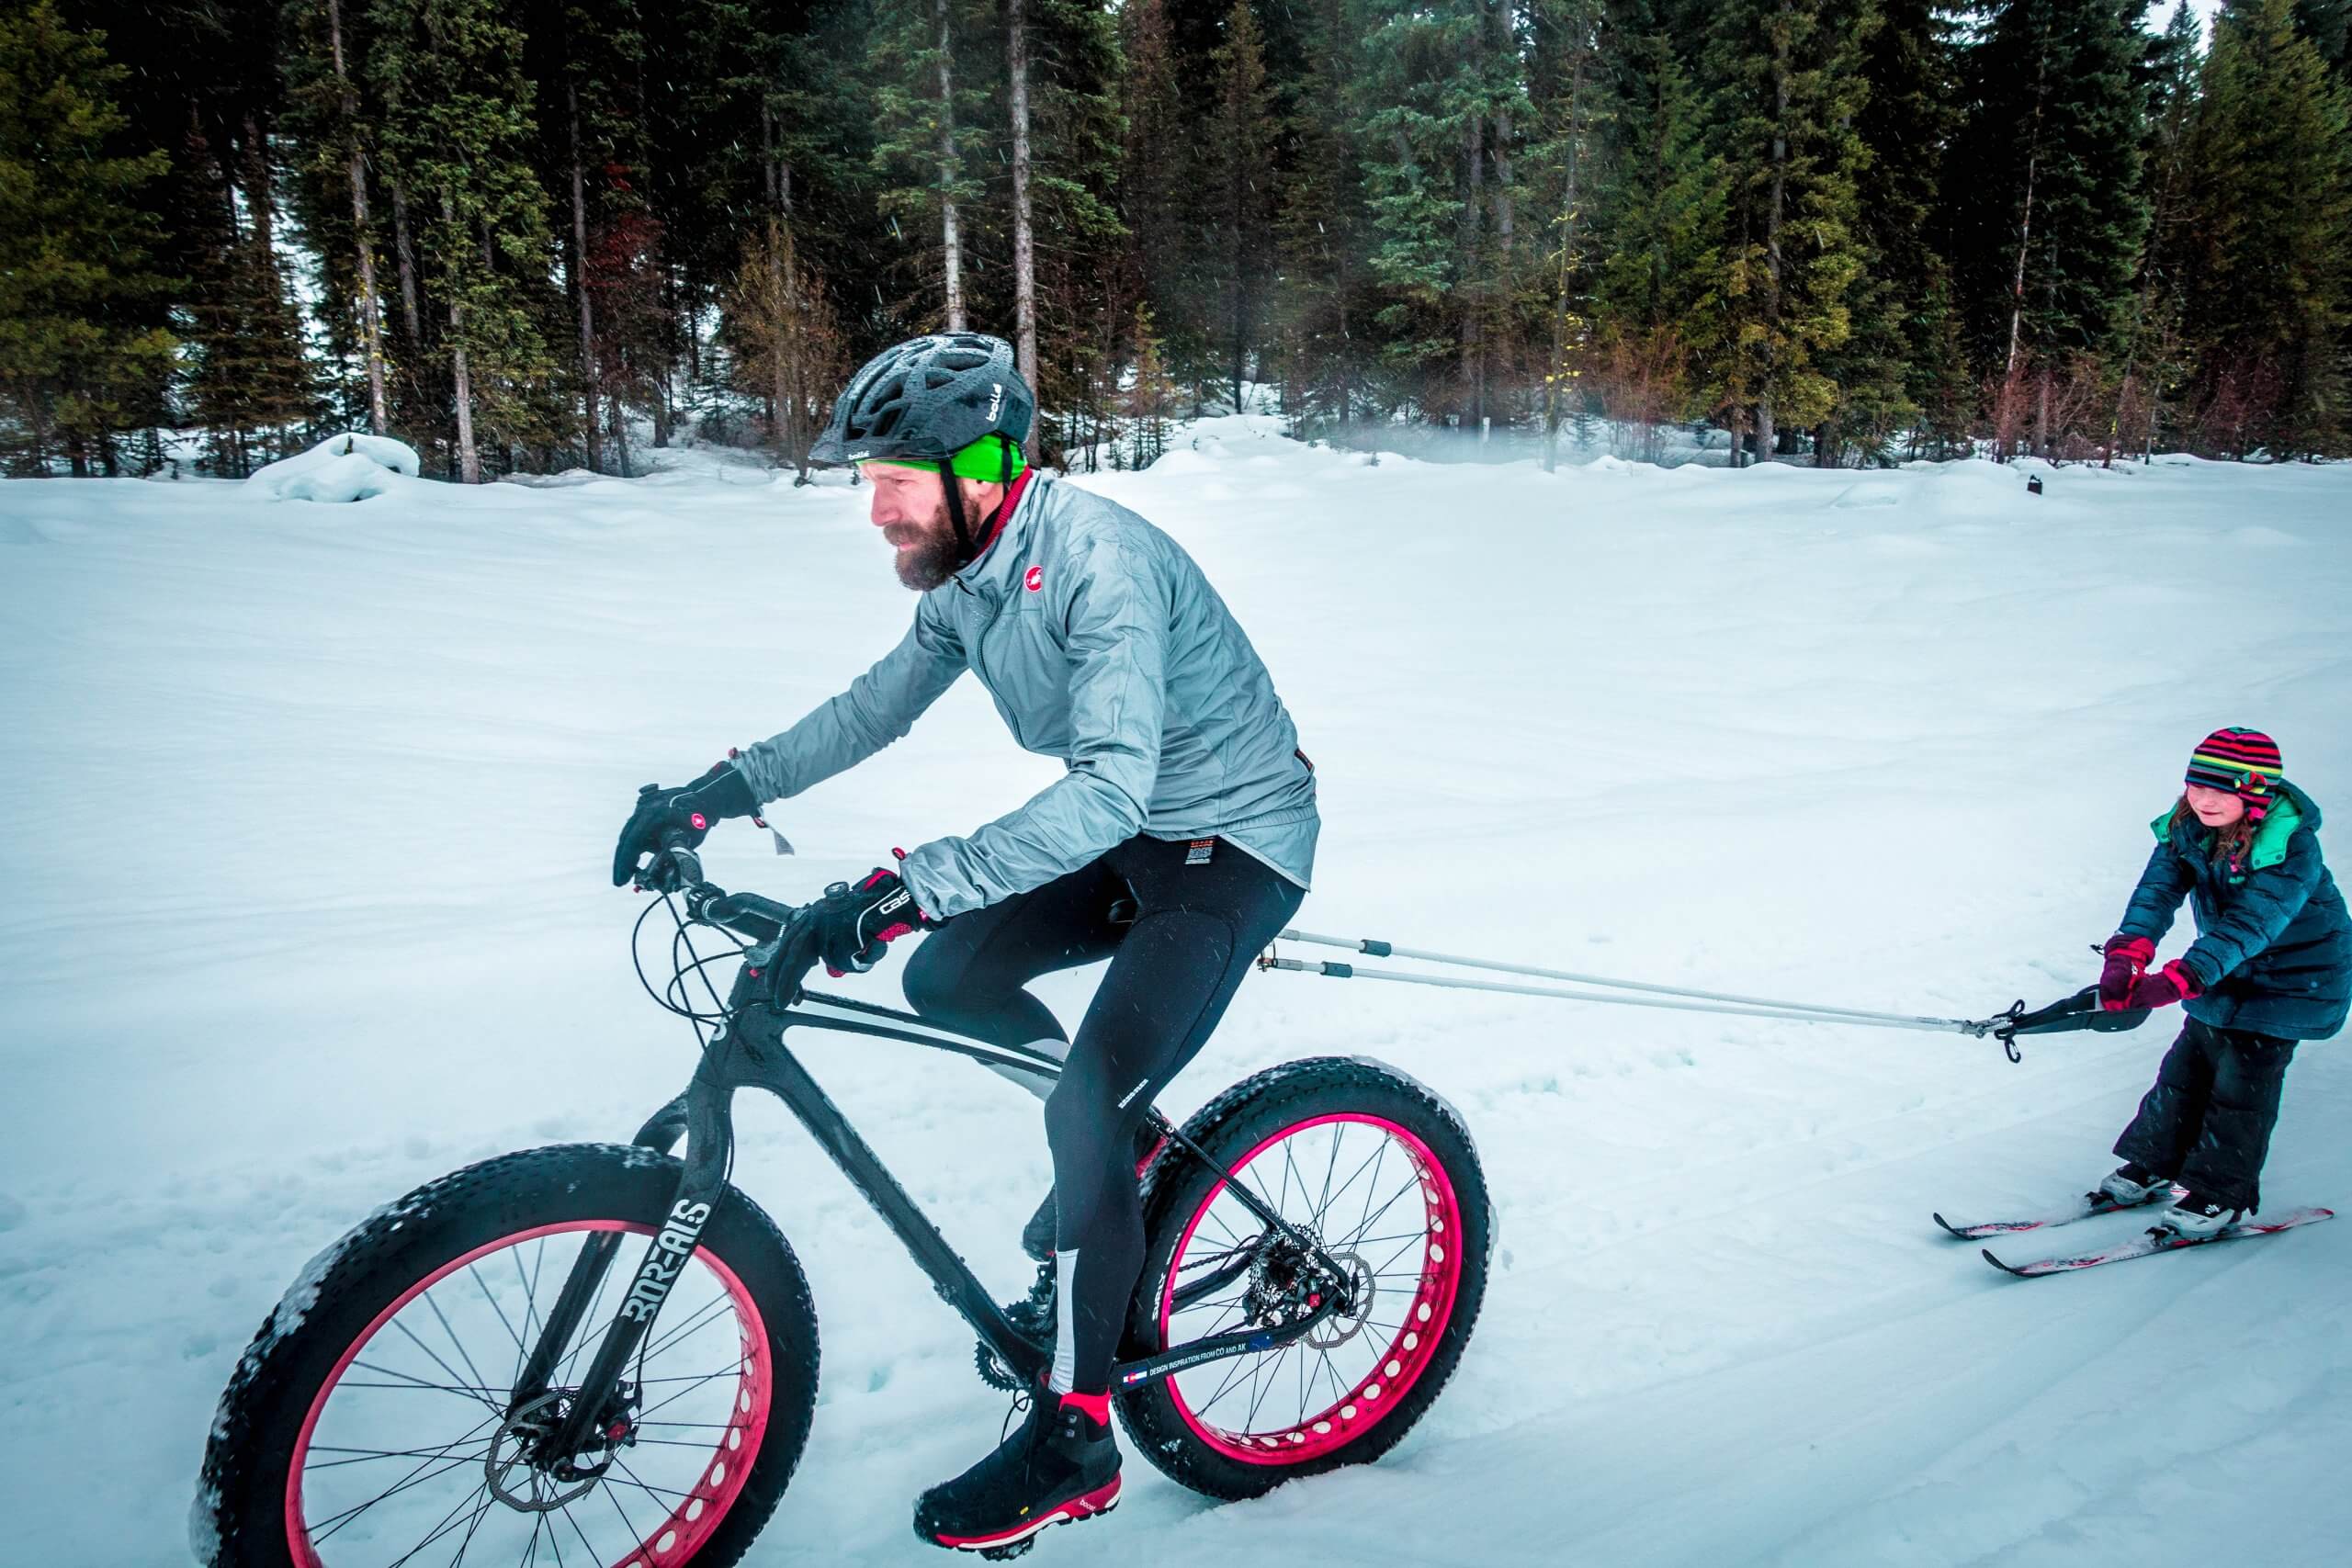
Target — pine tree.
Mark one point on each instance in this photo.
(1786, 82)
(1158, 191)
(1421, 129)
(1084, 307)
(1150, 398)
(2049, 218)
(2154, 354)
(1318, 228)
(1569, 87)
(77, 366)
(925, 107)
(1888, 365)
(2272, 204)
(459, 130)
(788, 343)
(1243, 139)
(1658, 309)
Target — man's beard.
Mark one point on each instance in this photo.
(934, 557)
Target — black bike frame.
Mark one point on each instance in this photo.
(748, 1052)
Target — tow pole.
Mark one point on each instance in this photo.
(2079, 1011)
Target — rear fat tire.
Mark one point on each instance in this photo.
(1229, 1127)
(239, 1517)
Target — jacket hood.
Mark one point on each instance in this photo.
(2295, 809)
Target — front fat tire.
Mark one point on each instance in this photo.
(1241, 1118)
(239, 1517)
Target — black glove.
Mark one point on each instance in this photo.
(721, 793)
(856, 924)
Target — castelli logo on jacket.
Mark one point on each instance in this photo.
(1035, 579)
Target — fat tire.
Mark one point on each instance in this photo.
(238, 1519)
(1228, 1127)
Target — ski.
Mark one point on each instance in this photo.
(2155, 1240)
(2084, 1208)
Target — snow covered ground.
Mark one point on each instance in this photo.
(308, 808)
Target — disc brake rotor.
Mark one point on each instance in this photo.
(513, 1457)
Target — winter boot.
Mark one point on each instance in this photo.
(2131, 1185)
(2200, 1218)
(1061, 1465)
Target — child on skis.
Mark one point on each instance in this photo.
(2271, 967)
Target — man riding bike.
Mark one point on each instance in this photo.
(1177, 845)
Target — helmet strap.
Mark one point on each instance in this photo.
(954, 489)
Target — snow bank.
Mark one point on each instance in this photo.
(345, 467)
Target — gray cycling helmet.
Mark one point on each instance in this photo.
(929, 398)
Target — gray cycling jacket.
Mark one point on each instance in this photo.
(1102, 645)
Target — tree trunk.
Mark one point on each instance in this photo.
(590, 380)
(620, 433)
(1557, 370)
(2025, 233)
(406, 252)
(1024, 248)
(1502, 349)
(258, 204)
(950, 238)
(1775, 216)
(371, 310)
(461, 382)
(1474, 151)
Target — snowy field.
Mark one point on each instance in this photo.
(309, 807)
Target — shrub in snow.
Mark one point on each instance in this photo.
(343, 467)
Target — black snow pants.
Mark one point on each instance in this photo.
(1180, 923)
(2207, 1120)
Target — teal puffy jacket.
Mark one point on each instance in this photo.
(2274, 949)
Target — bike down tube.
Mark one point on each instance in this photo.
(774, 1068)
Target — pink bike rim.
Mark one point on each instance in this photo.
(694, 1521)
(1409, 1352)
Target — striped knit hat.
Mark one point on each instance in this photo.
(2246, 760)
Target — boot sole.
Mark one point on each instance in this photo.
(1086, 1506)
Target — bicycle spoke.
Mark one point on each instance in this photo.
(480, 1515)
(635, 1481)
(448, 1522)
(683, 1391)
(457, 1344)
(364, 1456)
(408, 1380)
(627, 1523)
(694, 1325)
(336, 1521)
(480, 1390)
(481, 1285)
(1330, 1164)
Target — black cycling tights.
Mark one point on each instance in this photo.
(1181, 923)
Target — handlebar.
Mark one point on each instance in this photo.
(677, 869)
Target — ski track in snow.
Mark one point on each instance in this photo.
(311, 806)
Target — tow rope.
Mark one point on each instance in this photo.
(2075, 1012)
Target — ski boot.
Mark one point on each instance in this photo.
(1059, 1466)
(2197, 1217)
(2129, 1186)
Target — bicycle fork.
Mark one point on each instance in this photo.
(700, 1115)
